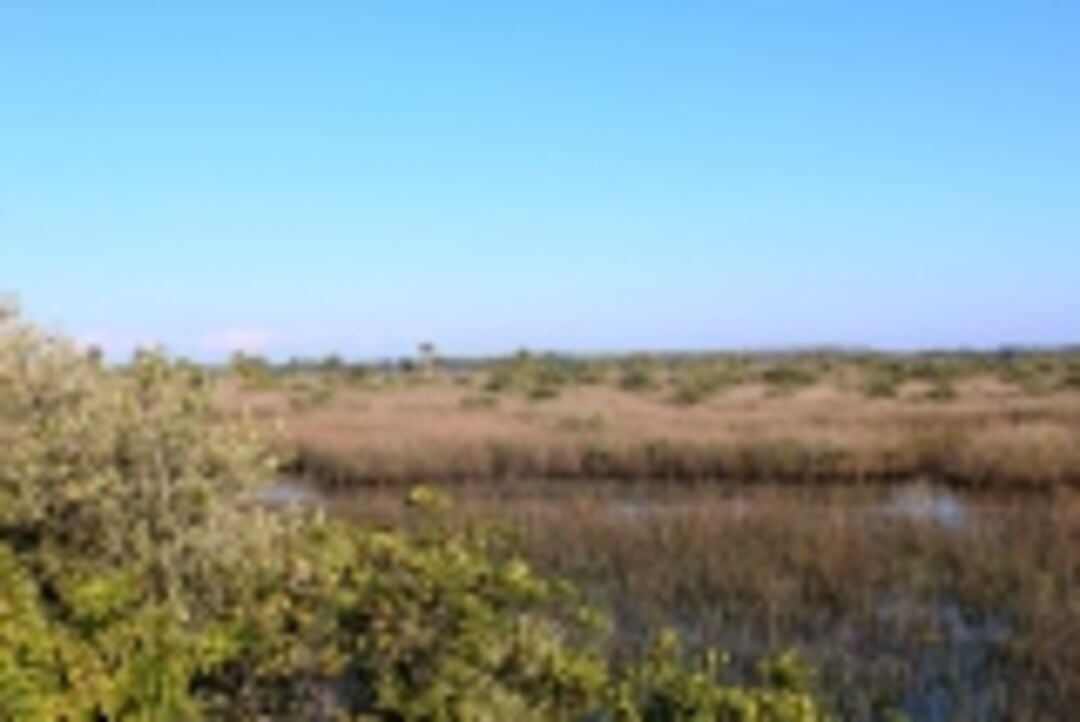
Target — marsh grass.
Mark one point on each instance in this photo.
(758, 503)
(753, 502)
(789, 377)
(980, 434)
(699, 382)
(947, 608)
(640, 372)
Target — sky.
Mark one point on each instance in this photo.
(357, 177)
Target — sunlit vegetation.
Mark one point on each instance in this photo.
(699, 381)
(943, 606)
(788, 378)
(254, 372)
(1000, 420)
(639, 373)
(141, 580)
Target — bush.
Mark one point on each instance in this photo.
(1071, 378)
(881, 387)
(310, 394)
(639, 373)
(543, 392)
(254, 372)
(139, 582)
(698, 382)
(787, 378)
(941, 390)
(540, 378)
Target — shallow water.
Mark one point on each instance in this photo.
(285, 492)
(919, 502)
(910, 597)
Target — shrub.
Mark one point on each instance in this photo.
(1070, 380)
(538, 377)
(1026, 373)
(881, 387)
(639, 373)
(312, 393)
(254, 372)
(138, 582)
(787, 378)
(698, 382)
(589, 372)
(941, 390)
(663, 687)
(543, 392)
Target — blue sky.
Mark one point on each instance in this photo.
(360, 176)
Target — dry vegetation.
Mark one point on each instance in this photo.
(784, 527)
(997, 421)
(948, 608)
(793, 522)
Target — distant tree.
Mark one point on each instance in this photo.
(639, 373)
(253, 371)
(95, 354)
(427, 359)
(332, 364)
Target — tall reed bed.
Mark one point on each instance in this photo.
(944, 607)
(988, 437)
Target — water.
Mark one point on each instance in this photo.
(916, 502)
(287, 492)
(920, 502)
(912, 642)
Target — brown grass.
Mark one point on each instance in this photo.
(989, 435)
(950, 619)
(979, 620)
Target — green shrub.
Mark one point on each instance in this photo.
(787, 378)
(589, 372)
(639, 373)
(138, 581)
(254, 372)
(881, 387)
(1026, 373)
(310, 394)
(1070, 379)
(696, 383)
(663, 687)
(543, 392)
(538, 377)
(941, 390)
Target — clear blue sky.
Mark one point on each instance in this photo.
(360, 176)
